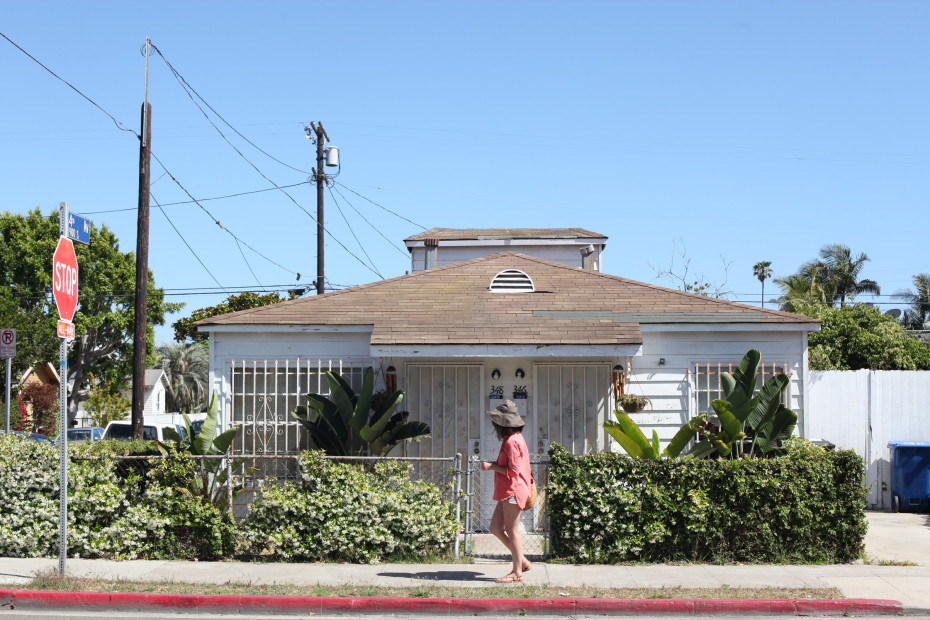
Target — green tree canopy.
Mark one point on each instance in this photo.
(184, 329)
(858, 337)
(105, 314)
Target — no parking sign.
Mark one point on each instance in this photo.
(7, 342)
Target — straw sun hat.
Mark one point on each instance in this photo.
(506, 415)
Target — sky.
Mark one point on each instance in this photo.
(717, 133)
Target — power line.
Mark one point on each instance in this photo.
(382, 206)
(205, 210)
(185, 241)
(373, 227)
(118, 124)
(184, 85)
(187, 202)
(364, 251)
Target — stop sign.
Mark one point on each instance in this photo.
(65, 279)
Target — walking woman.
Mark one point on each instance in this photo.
(511, 485)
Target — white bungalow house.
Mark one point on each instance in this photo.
(500, 313)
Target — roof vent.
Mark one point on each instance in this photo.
(512, 281)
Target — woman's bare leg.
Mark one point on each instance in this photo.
(511, 519)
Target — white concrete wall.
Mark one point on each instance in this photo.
(863, 410)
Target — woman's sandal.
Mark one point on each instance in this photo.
(511, 578)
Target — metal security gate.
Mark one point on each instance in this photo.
(263, 394)
(572, 403)
(448, 398)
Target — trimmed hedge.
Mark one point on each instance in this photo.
(349, 512)
(807, 506)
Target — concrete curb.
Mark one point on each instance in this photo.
(45, 599)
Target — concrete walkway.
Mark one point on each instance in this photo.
(892, 537)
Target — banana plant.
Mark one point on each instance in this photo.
(631, 438)
(210, 480)
(745, 414)
(346, 424)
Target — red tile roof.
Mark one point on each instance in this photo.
(452, 305)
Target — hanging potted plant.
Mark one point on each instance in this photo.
(633, 403)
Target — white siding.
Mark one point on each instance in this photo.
(670, 386)
(154, 400)
(565, 254)
(863, 410)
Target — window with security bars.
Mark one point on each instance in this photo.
(265, 392)
(707, 385)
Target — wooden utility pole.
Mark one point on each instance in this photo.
(319, 177)
(140, 317)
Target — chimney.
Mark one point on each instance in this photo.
(432, 251)
(587, 257)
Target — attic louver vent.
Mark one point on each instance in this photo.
(512, 281)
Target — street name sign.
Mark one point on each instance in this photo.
(66, 330)
(78, 229)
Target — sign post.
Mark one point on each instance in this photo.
(65, 290)
(8, 350)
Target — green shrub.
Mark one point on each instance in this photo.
(343, 511)
(116, 509)
(103, 522)
(807, 506)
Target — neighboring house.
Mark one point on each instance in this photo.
(45, 374)
(41, 374)
(156, 392)
(558, 339)
(156, 388)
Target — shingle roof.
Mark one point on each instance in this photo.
(466, 234)
(452, 305)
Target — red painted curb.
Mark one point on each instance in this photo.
(37, 599)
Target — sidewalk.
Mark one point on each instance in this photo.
(901, 537)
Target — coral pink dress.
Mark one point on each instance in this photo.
(515, 456)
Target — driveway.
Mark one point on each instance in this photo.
(898, 537)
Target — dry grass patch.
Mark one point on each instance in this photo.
(75, 584)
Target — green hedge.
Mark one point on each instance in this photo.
(343, 511)
(141, 509)
(116, 509)
(807, 506)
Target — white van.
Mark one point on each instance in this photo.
(153, 431)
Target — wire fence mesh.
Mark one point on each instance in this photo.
(534, 523)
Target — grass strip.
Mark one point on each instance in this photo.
(520, 590)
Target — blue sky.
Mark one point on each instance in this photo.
(732, 131)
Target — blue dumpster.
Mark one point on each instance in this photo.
(910, 475)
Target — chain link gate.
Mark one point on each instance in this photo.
(479, 507)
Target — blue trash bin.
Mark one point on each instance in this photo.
(910, 475)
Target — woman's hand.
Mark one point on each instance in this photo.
(486, 465)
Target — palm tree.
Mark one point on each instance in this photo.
(187, 368)
(919, 300)
(763, 271)
(839, 273)
(800, 291)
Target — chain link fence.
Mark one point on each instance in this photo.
(534, 523)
